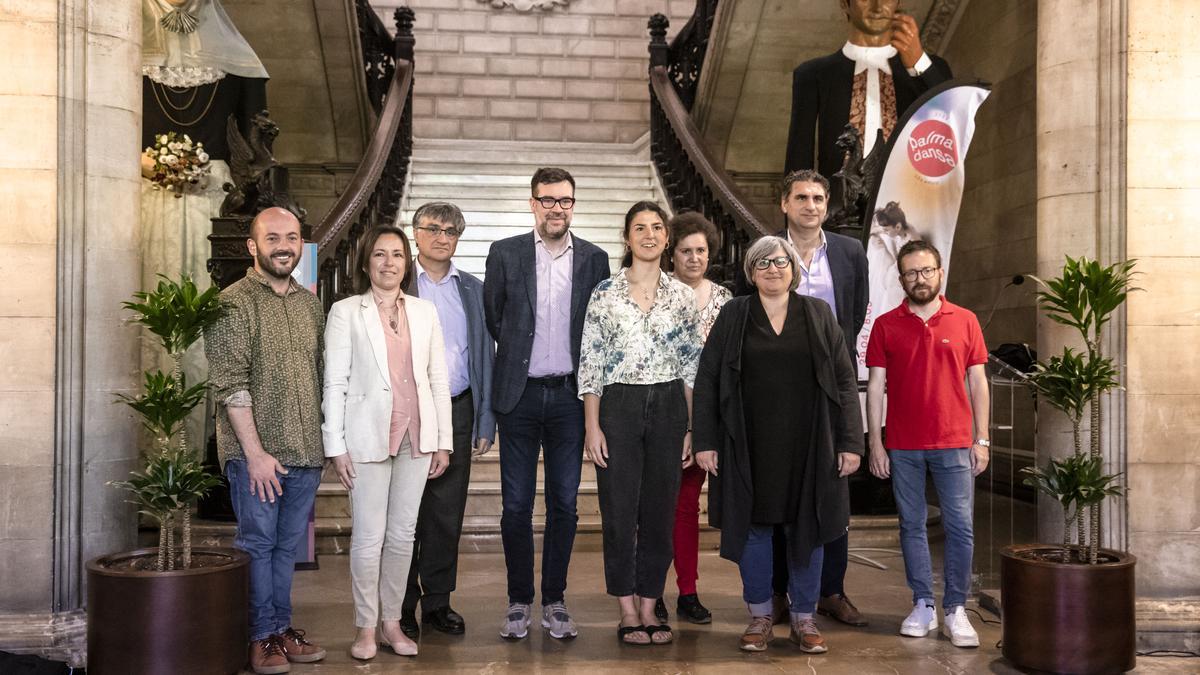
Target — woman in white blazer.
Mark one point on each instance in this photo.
(387, 427)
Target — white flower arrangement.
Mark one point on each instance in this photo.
(180, 164)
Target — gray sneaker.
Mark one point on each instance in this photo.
(556, 618)
(516, 622)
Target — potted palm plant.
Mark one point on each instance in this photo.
(150, 609)
(1069, 607)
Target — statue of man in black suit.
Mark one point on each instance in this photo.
(880, 71)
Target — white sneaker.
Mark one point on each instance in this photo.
(921, 620)
(959, 629)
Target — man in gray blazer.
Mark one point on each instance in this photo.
(535, 296)
(470, 355)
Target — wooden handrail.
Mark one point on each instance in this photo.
(334, 225)
(716, 179)
(373, 196)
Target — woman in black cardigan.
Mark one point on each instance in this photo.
(777, 423)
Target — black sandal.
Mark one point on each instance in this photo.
(624, 631)
(661, 628)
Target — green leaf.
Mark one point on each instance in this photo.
(165, 402)
(176, 312)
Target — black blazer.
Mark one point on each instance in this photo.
(510, 305)
(851, 291)
(481, 352)
(821, 91)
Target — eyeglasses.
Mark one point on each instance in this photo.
(925, 272)
(450, 232)
(781, 262)
(548, 202)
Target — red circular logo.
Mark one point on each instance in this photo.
(933, 149)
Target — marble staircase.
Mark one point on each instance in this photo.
(490, 183)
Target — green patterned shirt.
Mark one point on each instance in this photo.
(266, 351)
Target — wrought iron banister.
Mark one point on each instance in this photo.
(685, 54)
(373, 195)
(691, 177)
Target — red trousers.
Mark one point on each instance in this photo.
(687, 529)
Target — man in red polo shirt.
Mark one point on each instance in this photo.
(931, 356)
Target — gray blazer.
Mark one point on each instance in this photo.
(510, 303)
(481, 351)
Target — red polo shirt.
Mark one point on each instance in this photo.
(926, 363)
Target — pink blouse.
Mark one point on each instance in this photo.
(406, 416)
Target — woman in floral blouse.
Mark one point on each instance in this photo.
(641, 345)
(693, 239)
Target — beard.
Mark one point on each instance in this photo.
(922, 294)
(276, 268)
(554, 230)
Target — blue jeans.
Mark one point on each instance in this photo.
(756, 567)
(951, 470)
(270, 534)
(549, 419)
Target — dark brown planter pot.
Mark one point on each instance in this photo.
(184, 621)
(1064, 618)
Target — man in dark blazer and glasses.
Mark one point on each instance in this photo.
(536, 292)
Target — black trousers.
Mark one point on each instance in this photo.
(644, 426)
(833, 569)
(434, 571)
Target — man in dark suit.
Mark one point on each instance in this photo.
(833, 269)
(470, 354)
(869, 82)
(535, 296)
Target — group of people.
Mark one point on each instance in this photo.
(655, 374)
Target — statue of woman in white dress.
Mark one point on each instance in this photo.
(197, 70)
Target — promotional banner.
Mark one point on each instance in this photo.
(920, 190)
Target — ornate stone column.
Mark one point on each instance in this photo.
(1162, 189)
(1080, 188)
(1118, 119)
(69, 181)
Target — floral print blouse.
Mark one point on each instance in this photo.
(623, 344)
(708, 313)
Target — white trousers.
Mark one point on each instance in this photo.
(384, 505)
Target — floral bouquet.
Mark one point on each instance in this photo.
(176, 163)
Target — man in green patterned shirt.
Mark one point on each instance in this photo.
(265, 367)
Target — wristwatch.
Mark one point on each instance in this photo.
(983, 442)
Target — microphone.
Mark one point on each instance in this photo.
(1017, 280)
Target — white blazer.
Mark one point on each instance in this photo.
(358, 388)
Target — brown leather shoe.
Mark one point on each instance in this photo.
(298, 649)
(758, 634)
(806, 636)
(780, 609)
(840, 608)
(267, 656)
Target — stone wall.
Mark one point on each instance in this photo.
(1162, 188)
(573, 73)
(996, 237)
(69, 233)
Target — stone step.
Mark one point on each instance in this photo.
(530, 153)
(610, 224)
(420, 193)
(520, 204)
(481, 534)
(630, 168)
(483, 499)
(468, 248)
(467, 180)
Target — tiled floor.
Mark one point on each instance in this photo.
(323, 607)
